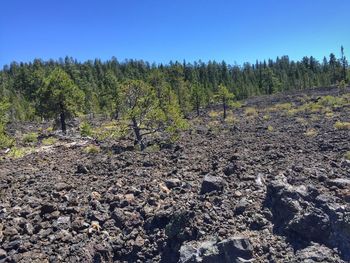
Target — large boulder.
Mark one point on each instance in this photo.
(304, 215)
(212, 183)
(316, 253)
(234, 249)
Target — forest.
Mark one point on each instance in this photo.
(28, 92)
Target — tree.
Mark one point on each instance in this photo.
(197, 96)
(344, 64)
(5, 141)
(59, 95)
(270, 82)
(225, 96)
(142, 112)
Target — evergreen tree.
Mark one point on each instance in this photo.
(224, 96)
(60, 96)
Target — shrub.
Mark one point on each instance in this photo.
(310, 132)
(86, 129)
(342, 125)
(5, 141)
(30, 137)
(49, 141)
(252, 112)
(266, 117)
(347, 155)
(213, 114)
(270, 128)
(19, 152)
(92, 149)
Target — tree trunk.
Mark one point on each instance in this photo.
(63, 119)
(138, 134)
(224, 103)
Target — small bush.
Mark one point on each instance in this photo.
(270, 128)
(49, 141)
(230, 119)
(266, 117)
(310, 132)
(5, 141)
(214, 114)
(86, 129)
(329, 114)
(251, 112)
(30, 138)
(235, 104)
(92, 149)
(342, 125)
(284, 106)
(347, 155)
(19, 152)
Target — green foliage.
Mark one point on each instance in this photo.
(30, 137)
(49, 141)
(5, 140)
(92, 149)
(197, 96)
(35, 90)
(59, 95)
(224, 96)
(145, 113)
(19, 152)
(86, 129)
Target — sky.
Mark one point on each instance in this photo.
(158, 31)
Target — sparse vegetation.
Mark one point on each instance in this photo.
(49, 141)
(251, 112)
(30, 137)
(86, 129)
(266, 117)
(347, 155)
(311, 132)
(92, 149)
(16, 152)
(342, 125)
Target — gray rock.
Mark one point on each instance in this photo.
(316, 253)
(3, 253)
(212, 183)
(339, 182)
(172, 183)
(81, 169)
(234, 249)
(241, 206)
(308, 216)
(230, 169)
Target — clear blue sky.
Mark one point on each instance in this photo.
(164, 30)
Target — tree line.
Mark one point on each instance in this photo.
(31, 89)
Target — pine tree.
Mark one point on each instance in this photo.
(59, 96)
(224, 95)
(141, 108)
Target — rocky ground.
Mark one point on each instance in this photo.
(271, 184)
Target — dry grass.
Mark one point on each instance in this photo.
(342, 125)
(251, 112)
